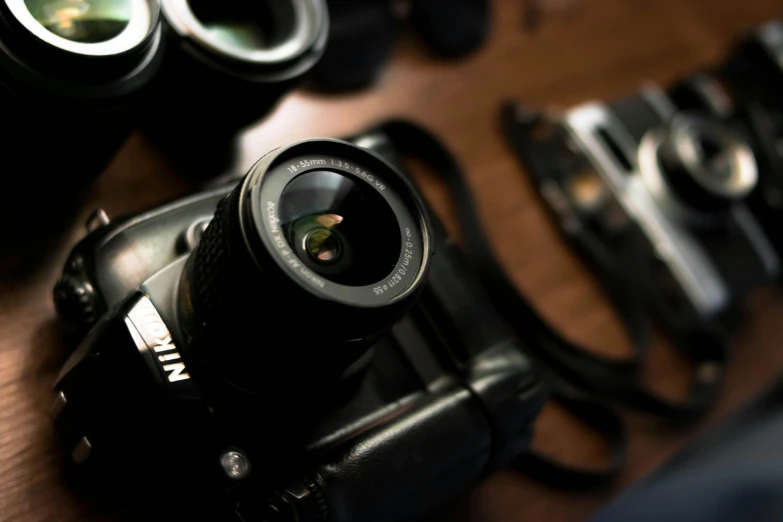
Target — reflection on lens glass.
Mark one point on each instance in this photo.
(340, 227)
(87, 21)
(323, 245)
(245, 24)
(237, 33)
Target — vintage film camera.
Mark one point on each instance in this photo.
(663, 190)
(314, 349)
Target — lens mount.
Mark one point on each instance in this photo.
(51, 21)
(291, 34)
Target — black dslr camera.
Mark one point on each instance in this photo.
(662, 190)
(298, 354)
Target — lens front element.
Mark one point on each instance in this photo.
(246, 24)
(87, 21)
(323, 245)
(282, 38)
(105, 28)
(340, 227)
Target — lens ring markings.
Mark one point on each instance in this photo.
(264, 201)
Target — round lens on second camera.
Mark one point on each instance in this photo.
(86, 21)
(246, 25)
(244, 56)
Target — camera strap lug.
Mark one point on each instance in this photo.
(97, 219)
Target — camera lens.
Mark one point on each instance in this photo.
(704, 163)
(82, 20)
(319, 233)
(241, 55)
(340, 227)
(71, 71)
(65, 37)
(269, 36)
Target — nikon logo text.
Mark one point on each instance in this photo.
(156, 338)
(169, 351)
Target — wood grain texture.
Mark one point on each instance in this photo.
(603, 49)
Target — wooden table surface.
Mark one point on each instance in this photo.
(603, 49)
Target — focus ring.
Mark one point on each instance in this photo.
(215, 271)
(227, 306)
(237, 313)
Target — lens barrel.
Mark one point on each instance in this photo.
(227, 65)
(66, 89)
(65, 83)
(260, 304)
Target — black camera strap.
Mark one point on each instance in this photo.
(412, 140)
(598, 380)
(601, 417)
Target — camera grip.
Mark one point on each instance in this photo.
(433, 449)
(496, 370)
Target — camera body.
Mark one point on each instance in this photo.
(420, 411)
(665, 191)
